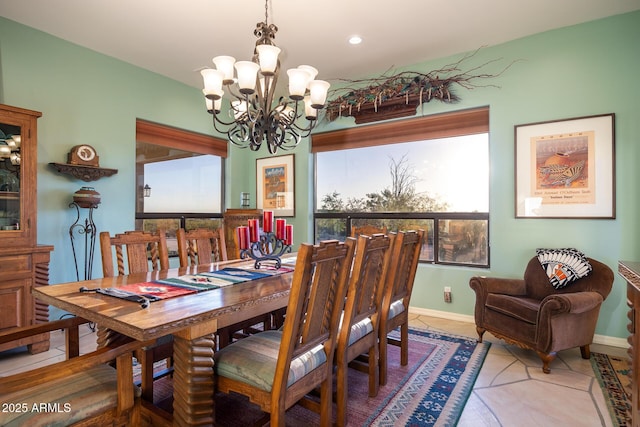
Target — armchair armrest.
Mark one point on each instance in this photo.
(580, 315)
(65, 368)
(573, 303)
(498, 285)
(70, 325)
(40, 328)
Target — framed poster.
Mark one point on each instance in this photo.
(565, 168)
(275, 189)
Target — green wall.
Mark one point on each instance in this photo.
(576, 71)
(86, 98)
(583, 70)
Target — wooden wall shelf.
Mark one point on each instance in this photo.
(389, 109)
(85, 173)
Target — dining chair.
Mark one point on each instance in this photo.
(79, 390)
(137, 252)
(231, 219)
(201, 246)
(277, 368)
(205, 246)
(367, 230)
(394, 313)
(359, 328)
(144, 252)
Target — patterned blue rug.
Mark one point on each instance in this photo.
(430, 391)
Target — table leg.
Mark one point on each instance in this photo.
(193, 381)
(109, 337)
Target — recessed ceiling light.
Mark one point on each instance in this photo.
(355, 40)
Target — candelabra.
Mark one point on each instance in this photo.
(267, 246)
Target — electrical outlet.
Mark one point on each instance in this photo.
(447, 294)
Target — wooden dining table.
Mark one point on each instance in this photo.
(192, 320)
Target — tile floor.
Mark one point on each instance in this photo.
(511, 389)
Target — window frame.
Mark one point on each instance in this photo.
(445, 125)
(181, 139)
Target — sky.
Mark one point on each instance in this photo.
(196, 179)
(455, 170)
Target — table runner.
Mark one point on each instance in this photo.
(160, 289)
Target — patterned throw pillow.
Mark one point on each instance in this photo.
(563, 266)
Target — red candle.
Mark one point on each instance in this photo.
(280, 228)
(288, 239)
(267, 221)
(243, 237)
(253, 231)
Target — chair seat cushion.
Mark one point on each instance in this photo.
(396, 308)
(524, 309)
(64, 401)
(360, 329)
(252, 360)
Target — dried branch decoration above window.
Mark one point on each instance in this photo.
(398, 95)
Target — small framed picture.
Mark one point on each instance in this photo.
(565, 168)
(275, 187)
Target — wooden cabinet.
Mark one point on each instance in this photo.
(23, 263)
(631, 273)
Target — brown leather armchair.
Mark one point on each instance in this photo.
(531, 314)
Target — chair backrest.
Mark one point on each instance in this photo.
(232, 218)
(367, 230)
(316, 301)
(201, 246)
(370, 265)
(405, 254)
(144, 252)
(538, 285)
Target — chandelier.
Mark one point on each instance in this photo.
(254, 117)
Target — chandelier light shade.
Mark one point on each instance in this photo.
(254, 115)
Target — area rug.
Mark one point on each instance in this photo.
(430, 391)
(613, 375)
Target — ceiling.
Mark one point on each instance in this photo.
(177, 39)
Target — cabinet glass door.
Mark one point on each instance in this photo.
(10, 172)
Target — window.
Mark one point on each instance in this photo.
(433, 175)
(179, 180)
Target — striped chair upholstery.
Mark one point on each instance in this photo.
(276, 369)
(258, 358)
(81, 390)
(64, 401)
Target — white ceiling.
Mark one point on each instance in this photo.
(178, 38)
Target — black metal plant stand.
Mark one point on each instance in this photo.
(88, 231)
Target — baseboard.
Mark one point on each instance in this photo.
(612, 341)
(597, 339)
(441, 314)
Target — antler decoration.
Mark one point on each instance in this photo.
(414, 87)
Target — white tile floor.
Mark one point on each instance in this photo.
(511, 389)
